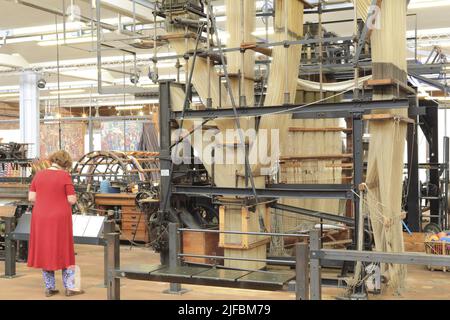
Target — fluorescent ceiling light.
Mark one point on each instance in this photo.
(108, 103)
(259, 32)
(434, 32)
(8, 95)
(438, 98)
(67, 91)
(431, 44)
(82, 96)
(425, 4)
(67, 41)
(118, 59)
(262, 32)
(38, 30)
(125, 108)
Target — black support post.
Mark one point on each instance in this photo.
(165, 155)
(113, 246)
(174, 260)
(10, 248)
(432, 119)
(302, 271)
(446, 180)
(358, 169)
(413, 187)
(108, 227)
(315, 267)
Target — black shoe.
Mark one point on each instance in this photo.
(51, 292)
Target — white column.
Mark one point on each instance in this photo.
(29, 112)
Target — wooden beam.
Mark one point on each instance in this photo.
(389, 82)
(253, 46)
(317, 157)
(387, 116)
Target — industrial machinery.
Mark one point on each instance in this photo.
(185, 198)
(122, 171)
(15, 175)
(137, 173)
(13, 151)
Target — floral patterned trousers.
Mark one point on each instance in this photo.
(68, 276)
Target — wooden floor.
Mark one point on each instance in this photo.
(422, 284)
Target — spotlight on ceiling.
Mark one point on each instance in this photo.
(41, 83)
(134, 78)
(153, 74)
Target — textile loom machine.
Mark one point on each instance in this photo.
(15, 175)
(219, 223)
(116, 181)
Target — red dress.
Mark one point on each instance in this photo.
(51, 237)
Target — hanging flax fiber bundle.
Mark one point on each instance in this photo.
(285, 63)
(313, 156)
(387, 144)
(240, 69)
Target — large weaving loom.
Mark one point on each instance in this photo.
(311, 151)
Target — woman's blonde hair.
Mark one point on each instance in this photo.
(61, 158)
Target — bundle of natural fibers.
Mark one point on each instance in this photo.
(297, 145)
(227, 175)
(386, 148)
(240, 25)
(284, 69)
(331, 86)
(200, 82)
(282, 79)
(314, 155)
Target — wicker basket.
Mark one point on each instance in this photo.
(437, 248)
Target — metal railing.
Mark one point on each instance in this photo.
(308, 261)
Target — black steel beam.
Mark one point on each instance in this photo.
(430, 82)
(318, 110)
(77, 240)
(273, 191)
(215, 282)
(407, 258)
(413, 187)
(165, 142)
(419, 69)
(433, 157)
(314, 214)
(358, 168)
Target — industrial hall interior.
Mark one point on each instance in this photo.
(224, 150)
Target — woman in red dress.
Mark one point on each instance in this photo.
(51, 244)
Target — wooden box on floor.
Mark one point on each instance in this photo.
(201, 244)
(243, 246)
(414, 242)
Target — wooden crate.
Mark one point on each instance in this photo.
(7, 211)
(414, 242)
(245, 242)
(201, 244)
(115, 199)
(437, 248)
